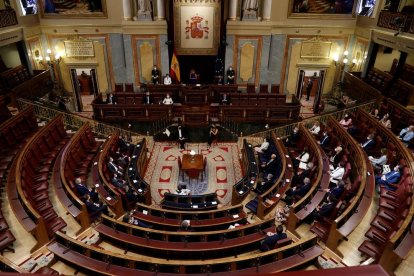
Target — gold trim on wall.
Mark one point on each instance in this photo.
(135, 54)
(259, 40)
(32, 47)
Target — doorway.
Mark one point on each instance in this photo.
(85, 87)
(309, 91)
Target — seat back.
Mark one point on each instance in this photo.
(119, 87)
(283, 242)
(251, 88)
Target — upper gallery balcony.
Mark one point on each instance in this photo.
(399, 21)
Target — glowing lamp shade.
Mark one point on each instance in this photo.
(192, 153)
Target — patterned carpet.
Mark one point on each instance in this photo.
(222, 171)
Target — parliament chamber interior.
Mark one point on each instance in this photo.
(207, 137)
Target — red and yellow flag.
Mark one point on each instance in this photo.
(175, 69)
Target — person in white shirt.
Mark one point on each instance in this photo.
(263, 147)
(315, 129)
(167, 80)
(302, 160)
(337, 174)
(167, 100)
(182, 191)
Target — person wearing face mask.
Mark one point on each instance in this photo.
(389, 178)
(155, 75)
(324, 142)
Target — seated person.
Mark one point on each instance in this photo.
(302, 159)
(336, 190)
(292, 140)
(346, 122)
(263, 147)
(377, 163)
(167, 100)
(272, 238)
(375, 113)
(129, 218)
(300, 176)
(130, 194)
(83, 190)
(123, 159)
(271, 166)
(167, 79)
(324, 142)
(185, 226)
(336, 174)
(406, 135)
(263, 186)
(193, 77)
(124, 145)
(114, 168)
(225, 99)
(148, 98)
(324, 210)
(93, 207)
(389, 178)
(117, 182)
(182, 190)
(230, 75)
(369, 143)
(300, 190)
(316, 128)
(111, 99)
(336, 158)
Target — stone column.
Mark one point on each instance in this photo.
(233, 10)
(267, 8)
(160, 10)
(126, 4)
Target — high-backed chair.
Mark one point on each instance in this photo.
(129, 87)
(275, 89)
(119, 87)
(264, 88)
(251, 88)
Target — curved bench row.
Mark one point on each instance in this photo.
(27, 185)
(251, 171)
(184, 244)
(170, 220)
(95, 260)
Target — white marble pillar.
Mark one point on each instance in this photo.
(126, 4)
(160, 10)
(233, 10)
(267, 9)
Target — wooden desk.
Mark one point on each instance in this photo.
(192, 165)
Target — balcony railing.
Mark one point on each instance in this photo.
(8, 18)
(402, 22)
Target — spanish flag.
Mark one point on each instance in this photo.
(175, 69)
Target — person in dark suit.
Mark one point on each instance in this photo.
(225, 99)
(369, 142)
(262, 187)
(272, 238)
(323, 211)
(298, 191)
(292, 140)
(111, 99)
(147, 98)
(83, 190)
(300, 176)
(117, 182)
(129, 218)
(93, 207)
(155, 75)
(337, 190)
(193, 76)
(271, 166)
(309, 86)
(114, 168)
(389, 178)
(182, 136)
(230, 75)
(325, 140)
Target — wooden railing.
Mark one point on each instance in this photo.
(398, 21)
(8, 18)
